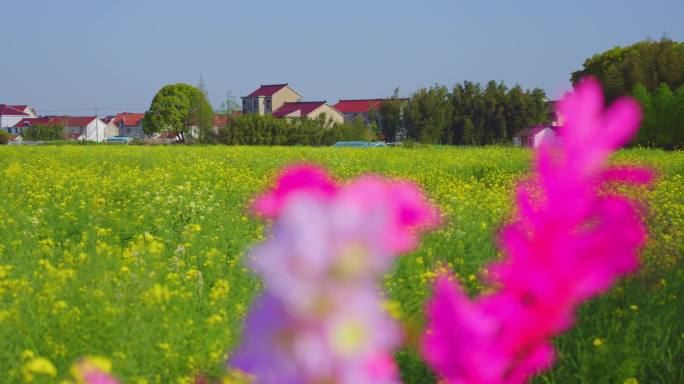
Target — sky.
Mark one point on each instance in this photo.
(73, 56)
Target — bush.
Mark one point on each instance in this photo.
(43, 132)
(4, 137)
(253, 129)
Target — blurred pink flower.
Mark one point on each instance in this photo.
(569, 240)
(320, 318)
(98, 377)
(298, 179)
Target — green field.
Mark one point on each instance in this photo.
(135, 254)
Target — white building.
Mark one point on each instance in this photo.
(80, 128)
(534, 136)
(10, 115)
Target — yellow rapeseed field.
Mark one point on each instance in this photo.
(134, 254)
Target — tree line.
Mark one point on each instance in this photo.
(468, 114)
(254, 129)
(652, 72)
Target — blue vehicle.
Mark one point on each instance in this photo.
(360, 144)
(118, 140)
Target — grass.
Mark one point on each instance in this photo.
(134, 254)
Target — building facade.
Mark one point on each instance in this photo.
(268, 98)
(309, 110)
(533, 137)
(359, 108)
(10, 115)
(80, 128)
(129, 124)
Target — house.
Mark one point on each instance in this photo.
(268, 98)
(10, 115)
(535, 136)
(353, 109)
(82, 128)
(128, 124)
(310, 110)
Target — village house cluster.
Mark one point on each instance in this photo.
(278, 100)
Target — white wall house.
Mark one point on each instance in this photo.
(10, 115)
(534, 136)
(86, 128)
(81, 128)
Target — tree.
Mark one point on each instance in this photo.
(429, 115)
(4, 137)
(494, 114)
(663, 116)
(390, 117)
(645, 136)
(179, 108)
(648, 62)
(469, 132)
(43, 132)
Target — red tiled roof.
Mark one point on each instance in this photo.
(128, 119)
(267, 90)
(304, 108)
(71, 121)
(222, 120)
(28, 121)
(12, 110)
(358, 106)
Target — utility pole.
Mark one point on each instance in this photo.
(97, 128)
(228, 109)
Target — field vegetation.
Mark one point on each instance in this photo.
(136, 254)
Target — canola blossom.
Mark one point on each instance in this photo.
(127, 253)
(320, 318)
(569, 240)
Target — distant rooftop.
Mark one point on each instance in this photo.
(267, 90)
(304, 108)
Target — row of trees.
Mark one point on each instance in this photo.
(254, 129)
(43, 132)
(467, 114)
(650, 71)
(663, 116)
(648, 63)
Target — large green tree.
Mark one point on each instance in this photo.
(389, 117)
(179, 109)
(428, 116)
(663, 116)
(494, 114)
(649, 63)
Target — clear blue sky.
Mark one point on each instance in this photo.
(69, 54)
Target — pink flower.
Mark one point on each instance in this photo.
(97, 377)
(569, 241)
(301, 179)
(320, 318)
